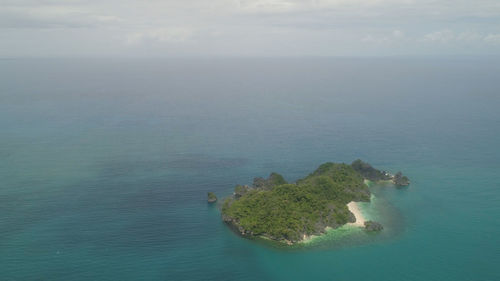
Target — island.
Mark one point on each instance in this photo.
(372, 174)
(400, 180)
(373, 226)
(286, 212)
(211, 198)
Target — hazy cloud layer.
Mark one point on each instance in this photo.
(248, 27)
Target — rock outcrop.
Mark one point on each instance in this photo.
(368, 172)
(211, 198)
(373, 226)
(400, 180)
(274, 179)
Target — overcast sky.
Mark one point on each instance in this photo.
(171, 28)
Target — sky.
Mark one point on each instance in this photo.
(269, 28)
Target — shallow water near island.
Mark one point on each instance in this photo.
(106, 165)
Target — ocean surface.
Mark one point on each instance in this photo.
(105, 165)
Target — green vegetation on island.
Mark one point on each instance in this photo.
(211, 198)
(372, 174)
(368, 172)
(290, 212)
(373, 226)
(273, 180)
(400, 180)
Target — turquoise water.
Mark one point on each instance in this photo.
(105, 165)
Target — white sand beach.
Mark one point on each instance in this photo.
(360, 222)
(354, 208)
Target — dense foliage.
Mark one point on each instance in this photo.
(273, 180)
(282, 211)
(373, 226)
(401, 180)
(368, 172)
(211, 197)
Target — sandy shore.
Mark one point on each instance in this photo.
(360, 220)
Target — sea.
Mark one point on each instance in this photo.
(105, 165)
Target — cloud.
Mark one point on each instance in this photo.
(52, 14)
(442, 36)
(249, 27)
(492, 38)
(449, 36)
(283, 6)
(268, 6)
(161, 35)
(469, 36)
(385, 37)
(398, 33)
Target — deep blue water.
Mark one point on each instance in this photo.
(105, 165)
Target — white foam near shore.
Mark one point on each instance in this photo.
(360, 219)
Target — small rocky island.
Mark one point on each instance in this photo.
(372, 174)
(274, 209)
(400, 180)
(211, 198)
(373, 226)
